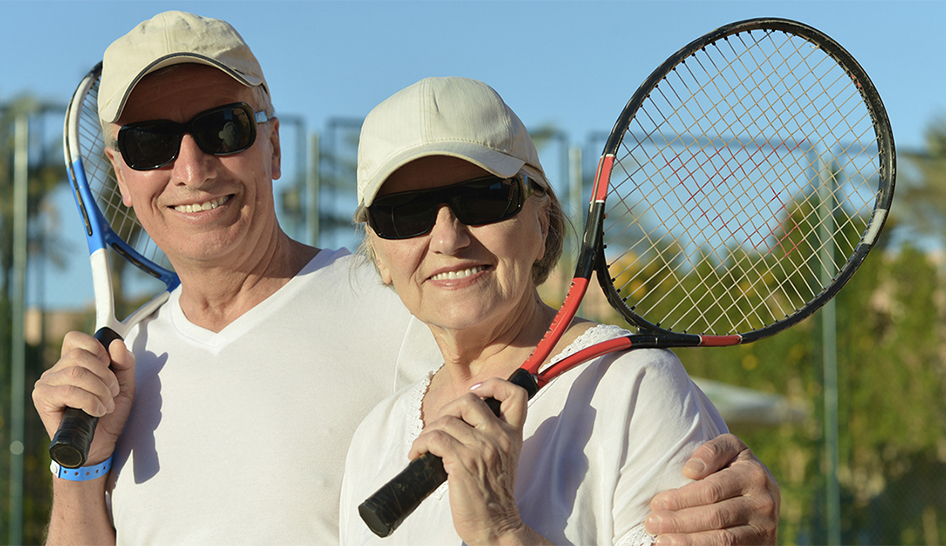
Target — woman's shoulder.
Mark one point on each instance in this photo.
(630, 374)
(633, 358)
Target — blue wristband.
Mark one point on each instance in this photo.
(81, 474)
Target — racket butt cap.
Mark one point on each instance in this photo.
(70, 445)
(66, 455)
(386, 509)
(378, 524)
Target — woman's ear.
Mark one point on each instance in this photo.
(383, 269)
(545, 219)
(276, 159)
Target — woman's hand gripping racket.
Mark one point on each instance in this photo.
(741, 187)
(108, 226)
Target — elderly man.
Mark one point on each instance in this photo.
(226, 415)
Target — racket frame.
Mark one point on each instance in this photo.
(884, 195)
(70, 445)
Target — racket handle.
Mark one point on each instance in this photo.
(387, 508)
(70, 445)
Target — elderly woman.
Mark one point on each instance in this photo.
(463, 224)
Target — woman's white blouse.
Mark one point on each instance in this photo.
(599, 442)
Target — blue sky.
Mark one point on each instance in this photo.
(571, 64)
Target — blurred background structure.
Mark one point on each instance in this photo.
(567, 68)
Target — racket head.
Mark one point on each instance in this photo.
(746, 179)
(108, 224)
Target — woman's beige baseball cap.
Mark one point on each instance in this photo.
(452, 116)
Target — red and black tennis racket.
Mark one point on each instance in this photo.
(110, 228)
(741, 187)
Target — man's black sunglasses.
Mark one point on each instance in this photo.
(224, 130)
(475, 202)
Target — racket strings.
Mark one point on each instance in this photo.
(744, 182)
(697, 305)
(104, 186)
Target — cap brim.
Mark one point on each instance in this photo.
(494, 162)
(112, 111)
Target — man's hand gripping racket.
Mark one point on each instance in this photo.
(108, 225)
(741, 187)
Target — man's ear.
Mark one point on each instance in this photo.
(117, 164)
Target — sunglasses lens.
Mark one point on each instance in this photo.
(224, 131)
(221, 131)
(485, 201)
(403, 215)
(475, 203)
(149, 145)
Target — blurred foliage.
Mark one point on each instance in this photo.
(921, 191)
(892, 413)
(45, 172)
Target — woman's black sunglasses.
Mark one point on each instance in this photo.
(475, 202)
(225, 130)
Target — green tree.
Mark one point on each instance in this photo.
(892, 409)
(45, 173)
(892, 412)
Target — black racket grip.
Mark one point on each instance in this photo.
(70, 445)
(386, 509)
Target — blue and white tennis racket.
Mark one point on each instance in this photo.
(110, 228)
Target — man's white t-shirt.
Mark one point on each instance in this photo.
(239, 437)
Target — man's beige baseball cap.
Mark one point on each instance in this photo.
(456, 117)
(170, 38)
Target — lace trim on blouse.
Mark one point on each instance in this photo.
(637, 536)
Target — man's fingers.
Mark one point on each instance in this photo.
(689, 528)
(123, 367)
(743, 534)
(713, 456)
(693, 520)
(734, 501)
(733, 519)
(80, 379)
(90, 396)
(82, 341)
(702, 493)
(723, 537)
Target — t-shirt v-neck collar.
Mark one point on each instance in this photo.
(250, 319)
